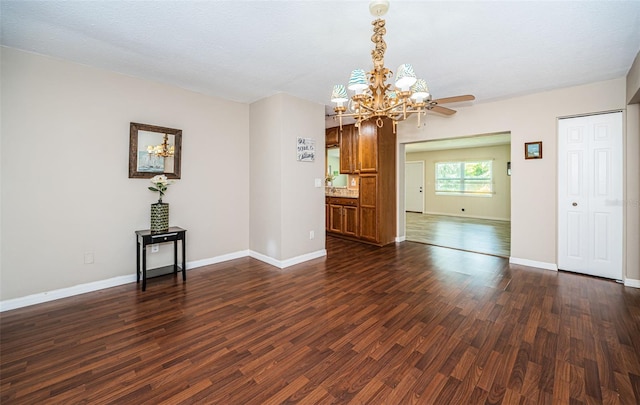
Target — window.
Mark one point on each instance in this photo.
(464, 178)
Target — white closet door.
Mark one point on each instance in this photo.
(590, 206)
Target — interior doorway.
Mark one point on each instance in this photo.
(466, 193)
(414, 187)
(590, 192)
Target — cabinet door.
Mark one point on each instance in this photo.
(335, 218)
(326, 216)
(368, 147)
(348, 149)
(368, 207)
(332, 136)
(350, 221)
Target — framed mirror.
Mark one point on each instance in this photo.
(154, 150)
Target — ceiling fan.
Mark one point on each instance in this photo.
(434, 105)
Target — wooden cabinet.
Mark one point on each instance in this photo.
(371, 153)
(377, 151)
(342, 215)
(332, 137)
(349, 150)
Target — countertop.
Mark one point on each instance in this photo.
(340, 192)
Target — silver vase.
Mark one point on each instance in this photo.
(159, 217)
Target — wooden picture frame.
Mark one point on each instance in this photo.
(533, 150)
(141, 136)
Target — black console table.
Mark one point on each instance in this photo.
(146, 237)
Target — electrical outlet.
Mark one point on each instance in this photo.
(88, 258)
(155, 248)
(312, 234)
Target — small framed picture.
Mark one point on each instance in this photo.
(533, 150)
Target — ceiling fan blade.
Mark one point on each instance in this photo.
(455, 99)
(442, 110)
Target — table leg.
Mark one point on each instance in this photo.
(184, 261)
(137, 260)
(175, 257)
(144, 267)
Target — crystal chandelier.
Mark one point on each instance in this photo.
(162, 150)
(377, 99)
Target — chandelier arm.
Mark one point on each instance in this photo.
(370, 111)
(403, 103)
(353, 115)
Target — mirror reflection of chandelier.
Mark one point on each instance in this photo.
(162, 150)
(377, 99)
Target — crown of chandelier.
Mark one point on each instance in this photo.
(373, 97)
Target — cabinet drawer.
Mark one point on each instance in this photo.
(352, 202)
(167, 237)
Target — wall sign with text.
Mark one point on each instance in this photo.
(306, 150)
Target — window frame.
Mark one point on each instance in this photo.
(462, 179)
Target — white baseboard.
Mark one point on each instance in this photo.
(630, 282)
(533, 263)
(289, 262)
(47, 296)
(217, 259)
(401, 238)
(65, 292)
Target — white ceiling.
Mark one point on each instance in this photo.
(248, 50)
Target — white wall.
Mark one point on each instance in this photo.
(498, 206)
(632, 159)
(632, 192)
(285, 204)
(302, 203)
(633, 82)
(65, 186)
(266, 177)
(533, 182)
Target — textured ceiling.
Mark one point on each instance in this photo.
(248, 50)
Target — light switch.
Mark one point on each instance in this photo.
(318, 182)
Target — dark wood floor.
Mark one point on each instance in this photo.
(407, 323)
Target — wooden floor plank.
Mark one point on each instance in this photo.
(406, 323)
